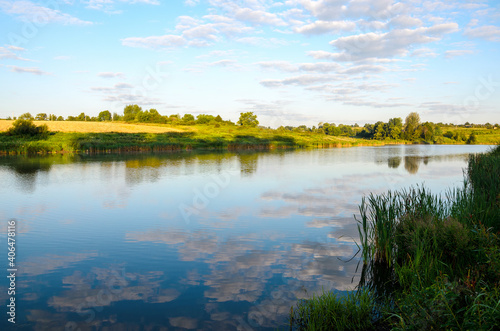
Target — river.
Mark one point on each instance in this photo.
(212, 241)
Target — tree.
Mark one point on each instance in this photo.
(116, 117)
(248, 119)
(204, 119)
(218, 118)
(41, 117)
(188, 119)
(105, 115)
(26, 116)
(472, 139)
(380, 132)
(60, 118)
(26, 127)
(81, 117)
(412, 122)
(52, 117)
(394, 127)
(130, 112)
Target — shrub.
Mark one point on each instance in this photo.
(26, 128)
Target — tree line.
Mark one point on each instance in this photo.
(134, 113)
(411, 128)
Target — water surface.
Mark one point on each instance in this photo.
(221, 241)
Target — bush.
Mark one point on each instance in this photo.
(26, 128)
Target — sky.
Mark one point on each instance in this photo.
(291, 62)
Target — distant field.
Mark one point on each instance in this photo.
(97, 127)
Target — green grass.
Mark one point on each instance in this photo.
(430, 262)
(330, 311)
(201, 137)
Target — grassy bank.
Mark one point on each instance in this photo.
(94, 137)
(201, 137)
(430, 262)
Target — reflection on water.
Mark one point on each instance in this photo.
(103, 244)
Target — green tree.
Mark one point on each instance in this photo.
(472, 139)
(412, 122)
(188, 119)
(380, 130)
(116, 117)
(52, 117)
(394, 127)
(81, 117)
(105, 115)
(26, 127)
(204, 119)
(26, 116)
(427, 131)
(60, 118)
(218, 118)
(248, 119)
(41, 117)
(130, 112)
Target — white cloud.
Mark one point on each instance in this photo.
(302, 80)
(334, 9)
(223, 63)
(39, 15)
(166, 41)
(258, 17)
(285, 66)
(364, 68)
(404, 21)
(487, 32)
(263, 42)
(395, 43)
(7, 53)
(423, 52)
(192, 32)
(320, 27)
(109, 5)
(34, 71)
(111, 75)
(191, 3)
(457, 52)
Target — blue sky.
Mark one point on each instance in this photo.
(291, 62)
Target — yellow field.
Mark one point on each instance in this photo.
(96, 127)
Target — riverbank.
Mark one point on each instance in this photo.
(200, 137)
(115, 137)
(429, 262)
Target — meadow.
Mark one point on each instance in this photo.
(93, 137)
(119, 136)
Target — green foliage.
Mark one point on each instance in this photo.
(130, 112)
(330, 311)
(444, 253)
(412, 123)
(431, 263)
(149, 116)
(26, 116)
(472, 139)
(105, 115)
(248, 119)
(205, 119)
(81, 117)
(26, 128)
(41, 117)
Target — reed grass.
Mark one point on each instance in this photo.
(430, 262)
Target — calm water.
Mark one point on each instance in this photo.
(221, 241)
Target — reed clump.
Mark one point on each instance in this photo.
(433, 262)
